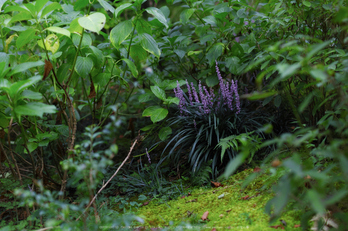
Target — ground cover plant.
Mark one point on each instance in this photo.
(103, 101)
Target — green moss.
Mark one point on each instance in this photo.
(237, 207)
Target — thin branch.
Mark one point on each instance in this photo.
(118, 169)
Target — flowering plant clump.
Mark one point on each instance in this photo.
(204, 118)
(227, 94)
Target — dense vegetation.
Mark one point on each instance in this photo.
(106, 104)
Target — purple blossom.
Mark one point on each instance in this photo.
(180, 95)
(189, 92)
(195, 93)
(221, 81)
(148, 156)
(229, 97)
(210, 97)
(234, 87)
(203, 99)
(226, 96)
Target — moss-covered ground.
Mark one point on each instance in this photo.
(230, 206)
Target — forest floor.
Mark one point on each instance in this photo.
(228, 205)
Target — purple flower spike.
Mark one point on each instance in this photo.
(189, 92)
(148, 156)
(221, 82)
(194, 92)
(180, 95)
(235, 90)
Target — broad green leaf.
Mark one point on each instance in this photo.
(31, 8)
(180, 53)
(79, 4)
(211, 20)
(146, 97)
(75, 26)
(132, 67)
(14, 8)
(18, 87)
(165, 10)
(98, 54)
(143, 26)
(316, 202)
(164, 133)
(94, 22)
(34, 109)
(215, 52)
(101, 79)
(31, 146)
(86, 40)
(121, 8)
(171, 100)
(51, 7)
(233, 64)
(186, 15)
(25, 37)
(25, 15)
(106, 6)
(158, 15)
(212, 80)
(59, 30)
(156, 113)
(160, 93)
(149, 44)
(28, 94)
(83, 66)
(25, 66)
(120, 32)
(138, 53)
(241, 13)
(39, 4)
(306, 3)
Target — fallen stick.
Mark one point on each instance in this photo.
(101, 189)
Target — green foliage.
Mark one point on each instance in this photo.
(61, 62)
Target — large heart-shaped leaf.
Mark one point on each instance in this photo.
(94, 22)
(83, 66)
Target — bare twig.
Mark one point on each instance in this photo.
(118, 169)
